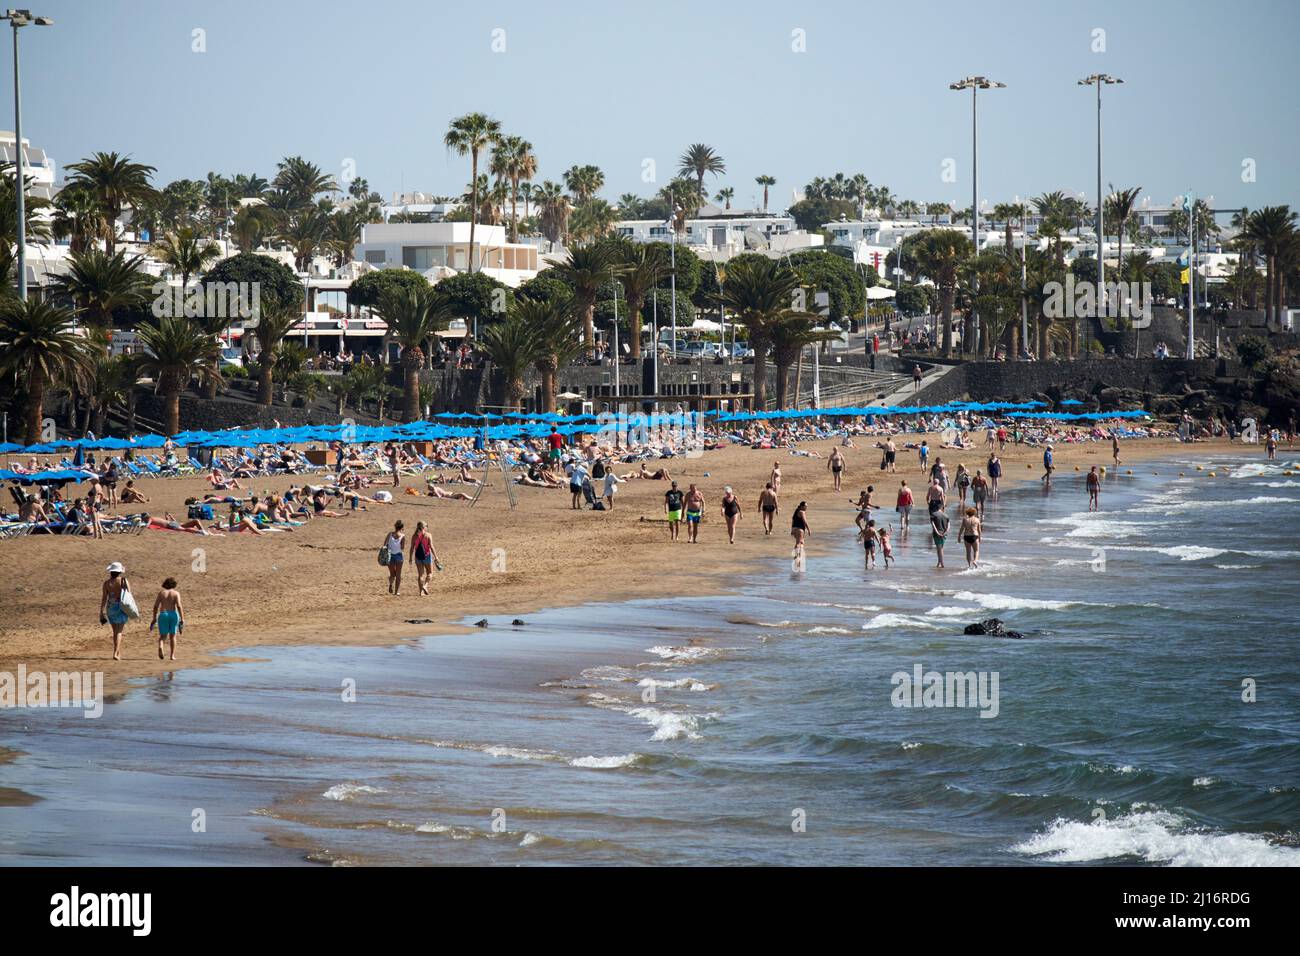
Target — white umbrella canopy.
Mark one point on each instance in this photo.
(878, 292)
(705, 325)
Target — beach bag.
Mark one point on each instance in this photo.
(129, 607)
(598, 506)
(383, 554)
(203, 512)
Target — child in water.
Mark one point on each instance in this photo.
(886, 552)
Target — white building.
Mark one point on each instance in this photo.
(421, 205)
(436, 246)
(720, 234)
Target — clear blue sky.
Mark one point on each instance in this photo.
(1208, 84)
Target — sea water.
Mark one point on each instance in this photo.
(1147, 716)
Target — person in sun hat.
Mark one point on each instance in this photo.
(111, 609)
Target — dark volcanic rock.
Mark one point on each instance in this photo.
(992, 627)
(481, 623)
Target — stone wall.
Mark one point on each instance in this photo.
(1023, 381)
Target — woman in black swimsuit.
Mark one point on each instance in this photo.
(730, 512)
(799, 525)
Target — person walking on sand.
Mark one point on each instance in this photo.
(916, 378)
(836, 464)
(168, 616)
(970, 536)
(1114, 449)
(903, 505)
(395, 542)
(424, 556)
(730, 512)
(923, 453)
(1094, 489)
(891, 455)
(1047, 466)
(674, 502)
(767, 506)
(612, 481)
(995, 472)
(775, 477)
(694, 514)
(939, 533)
(112, 610)
(799, 529)
(395, 460)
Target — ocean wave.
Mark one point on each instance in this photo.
(456, 833)
(671, 725)
(1091, 524)
(1007, 602)
(1204, 782)
(1154, 837)
(530, 838)
(682, 653)
(777, 623)
(346, 791)
(826, 629)
(605, 763)
(682, 683)
(843, 607)
(899, 620)
(951, 611)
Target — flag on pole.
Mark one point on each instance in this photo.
(1185, 277)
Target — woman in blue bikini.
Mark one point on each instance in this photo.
(111, 611)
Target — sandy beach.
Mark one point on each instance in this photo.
(321, 584)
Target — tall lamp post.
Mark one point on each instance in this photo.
(1098, 80)
(18, 19)
(975, 84)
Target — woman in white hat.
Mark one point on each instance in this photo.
(111, 611)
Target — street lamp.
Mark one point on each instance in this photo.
(18, 19)
(1097, 80)
(975, 84)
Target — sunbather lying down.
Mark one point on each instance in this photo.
(659, 474)
(169, 523)
(436, 492)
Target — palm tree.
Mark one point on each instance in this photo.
(642, 265)
(725, 196)
(698, 160)
(100, 283)
(584, 182)
(78, 217)
(176, 350)
(343, 231)
(115, 182)
(413, 315)
(593, 219)
(585, 270)
(273, 325)
(108, 383)
(40, 348)
(1119, 207)
(683, 198)
(253, 223)
(305, 230)
(558, 329)
(765, 181)
(513, 159)
(760, 293)
(470, 135)
(185, 252)
(555, 209)
(512, 346)
(789, 336)
(1273, 229)
(301, 182)
(939, 254)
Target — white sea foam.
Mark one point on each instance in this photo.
(1007, 602)
(1155, 837)
(346, 791)
(910, 744)
(670, 725)
(844, 607)
(1204, 782)
(899, 620)
(682, 683)
(951, 611)
(777, 623)
(518, 753)
(456, 833)
(826, 629)
(605, 763)
(1090, 524)
(530, 838)
(682, 653)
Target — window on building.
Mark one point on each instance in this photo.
(376, 257)
(423, 258)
